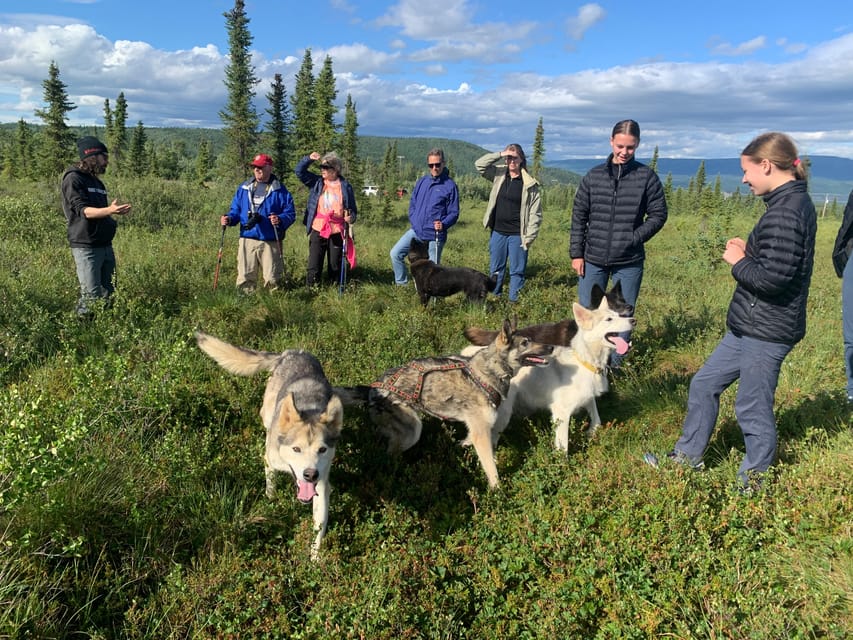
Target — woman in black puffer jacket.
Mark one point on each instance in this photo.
(619, 206)
(767, 314)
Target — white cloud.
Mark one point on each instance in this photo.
(454, 33)
(588, 16)
(742, 49)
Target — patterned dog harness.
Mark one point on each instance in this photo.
(407, 381)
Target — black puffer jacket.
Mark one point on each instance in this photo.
(843, 239)
(773, 279)
(617, 209)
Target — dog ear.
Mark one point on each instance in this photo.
(582, 314)
(596, 296)
(333, 416)
(288, 413)
(505, 336)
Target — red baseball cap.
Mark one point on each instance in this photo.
(261, 160)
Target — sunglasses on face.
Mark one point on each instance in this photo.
(326, 167)
(512, 158)
(433, 165)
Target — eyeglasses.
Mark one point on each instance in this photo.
(326, 167)
(433, 165)
(512, 158)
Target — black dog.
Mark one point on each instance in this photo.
(559, 333)
(433, 280)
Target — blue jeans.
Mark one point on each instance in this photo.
(501, 248)
(630, 275)
(400, 250)
(847, 323)
(95, 269)
(757, 364)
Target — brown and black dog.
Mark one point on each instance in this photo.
(436, 281)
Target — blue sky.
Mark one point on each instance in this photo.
(701, 78)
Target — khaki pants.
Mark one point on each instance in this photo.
(253, 253)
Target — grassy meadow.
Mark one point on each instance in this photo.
(131, 477)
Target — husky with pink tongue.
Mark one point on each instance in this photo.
(302, 415)
(576, 376)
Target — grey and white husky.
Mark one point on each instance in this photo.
(302, 416)
(462, 389)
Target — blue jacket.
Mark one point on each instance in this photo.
(315, 184)
(278, 201)
(433, 199)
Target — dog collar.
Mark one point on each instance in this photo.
(587, 365)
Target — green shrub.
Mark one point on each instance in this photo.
(131, 465)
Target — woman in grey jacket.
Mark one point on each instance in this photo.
(767, 314)
(513, 215)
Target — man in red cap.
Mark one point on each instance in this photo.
(263, 207)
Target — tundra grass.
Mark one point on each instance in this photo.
(131, 478)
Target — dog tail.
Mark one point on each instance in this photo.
(480, 337)
(357, 395)
(243, 362)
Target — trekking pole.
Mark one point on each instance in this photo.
(343, 280)
(436, 247)
(278, 242)
(432, 300)
(219, 258)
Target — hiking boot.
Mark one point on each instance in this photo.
(676, 457)
(751, 483)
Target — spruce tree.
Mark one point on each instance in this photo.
(108, 121)
(349, 141)
(56, 148)
(137, 161)
(653, 163)
(23, 151)
(538, 149)
(279, 125)
(239, 116)
(203, 161)
(325, 95)
(118, 139)
(667, 188)
(700, 181)
(302, 101)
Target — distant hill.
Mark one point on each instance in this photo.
(460, 155)
(830, 176)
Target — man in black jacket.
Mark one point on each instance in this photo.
(91, 227)
(619, 206)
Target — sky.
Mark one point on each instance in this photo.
(701, 78)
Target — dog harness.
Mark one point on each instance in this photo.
(407, 381)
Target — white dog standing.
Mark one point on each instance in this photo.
(576, 376)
